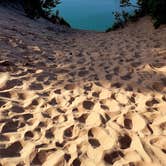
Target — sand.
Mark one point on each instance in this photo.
(72, 97)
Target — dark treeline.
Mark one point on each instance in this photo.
(34, 8)
(155, 8)
(39, 8)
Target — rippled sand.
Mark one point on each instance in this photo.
(71, 97)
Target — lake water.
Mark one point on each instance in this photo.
(90, 14)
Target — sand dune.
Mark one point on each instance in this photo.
(71, 97)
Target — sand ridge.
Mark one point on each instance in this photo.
(70, 97)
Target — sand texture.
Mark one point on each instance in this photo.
(70, 97)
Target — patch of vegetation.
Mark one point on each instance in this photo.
(157, 9)
(119, 22)
(35, 9)
(154, 8)
(44, 8)
(55, 18)
(122, 18)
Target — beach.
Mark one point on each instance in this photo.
(74, 97)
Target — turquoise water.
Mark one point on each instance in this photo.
(90, 14)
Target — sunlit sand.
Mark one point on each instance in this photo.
(72, 97)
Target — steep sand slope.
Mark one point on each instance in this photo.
(71, 97)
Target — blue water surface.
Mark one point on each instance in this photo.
(91, 14)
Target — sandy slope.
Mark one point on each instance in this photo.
(72, 97)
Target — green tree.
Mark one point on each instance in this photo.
(37, 8)
(155, 8)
